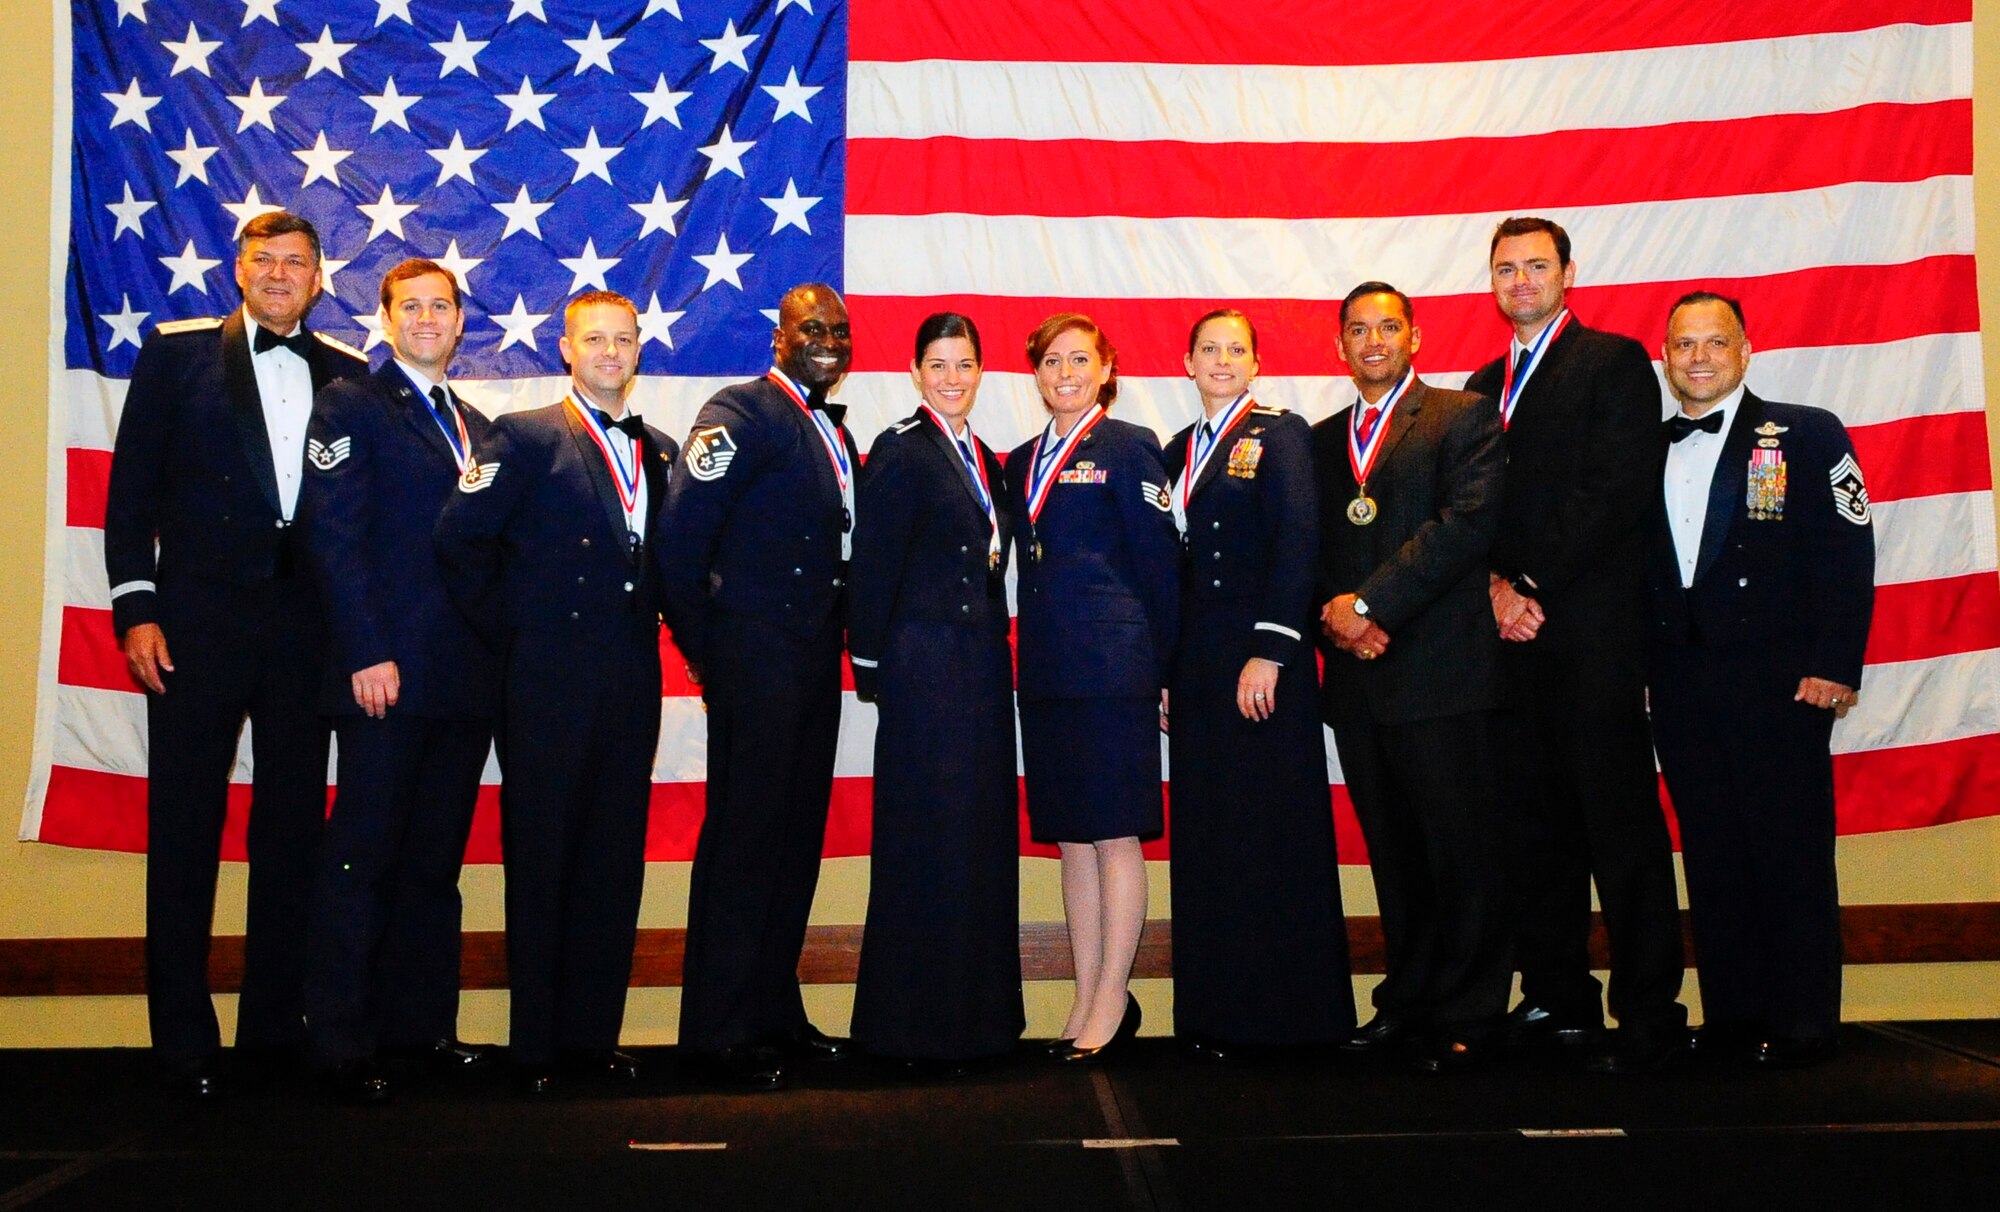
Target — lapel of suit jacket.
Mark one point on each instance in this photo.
(947, 448)
(415, 409)
(1219, 459)
(600, 475)
(1400, 422)
(239, 383)
(657, 470)
(1544, 374)
(1726, 490)
(319, 362)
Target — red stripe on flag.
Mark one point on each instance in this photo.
(1810, 308)
(89, 474)
(88, 654)
(1164, 179)
(1219, 32)
(1919, 620)
(1924, 456)
(1917, 785)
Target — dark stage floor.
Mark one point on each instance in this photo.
(1907, 1118)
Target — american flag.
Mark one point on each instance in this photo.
(1142, 163)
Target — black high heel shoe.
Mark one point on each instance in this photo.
(1128, 1029)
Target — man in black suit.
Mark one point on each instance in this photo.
(1581, 409)
(207, 466)
(1409, 484)
(761, 519)
(411, 690)
(546, 548)
(1760, 567)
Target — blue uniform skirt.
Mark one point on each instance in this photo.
(1092, 767)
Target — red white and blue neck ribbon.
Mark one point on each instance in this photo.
(1520, 366)
(836, 454)
(626, 481)
(461, 445)
(1361, 455)
(968, 448)
(1199, 451)
(1042, 474)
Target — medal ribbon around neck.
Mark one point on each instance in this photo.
(461, 446)
(1197, 460)
(1041, 479)
(829, 433)
(1519, 368)
(1362, 458)
(627, 483)
(978, 469)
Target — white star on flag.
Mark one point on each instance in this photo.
(125, 323)
(325, 54)
(728, 47)
(329, 266)
(390, 106)
(256, 108)
(658, 213)
(458, 53)
(249, 208)
(135, 8)
(386, 214)
(592, 159)
(191, 54)
(129, 212)
(662, 104)
(385, 9)
(524, 106)
(654, 324)
(804, 4)
(370, 323)
(188, 269)
(722, 264)
(456, 160)
(193, 161)
(791, 96)
(131, 107)
(588, 269)
(790, 209)
(523, 214)
(459, 264)
(593, 51)
(254, 10)
(725, 155)
(519, 325)
(523, 8)
(321, 161)
(663, 6)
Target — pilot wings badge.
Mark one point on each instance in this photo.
(328, 455)
(710, 451)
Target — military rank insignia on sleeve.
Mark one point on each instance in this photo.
(477, 476)
(710, 451)
(1157, 496)
(1850, 495)
(328, 455)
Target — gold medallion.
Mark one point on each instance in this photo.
(1361, 510)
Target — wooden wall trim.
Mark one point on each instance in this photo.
(43, 967)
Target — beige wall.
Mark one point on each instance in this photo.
(46, 891)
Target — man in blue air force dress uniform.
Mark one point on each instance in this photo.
(1760, 566)
(1409, 488)
(546, 547)
(219, 625)
(761, 517)
(412, 692)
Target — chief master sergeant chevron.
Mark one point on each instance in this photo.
(201, 554)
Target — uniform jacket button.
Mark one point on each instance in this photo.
(965, 610)
(798, 572)
(574, 615)
(579, 580)
(586, 542)
(1217, 584)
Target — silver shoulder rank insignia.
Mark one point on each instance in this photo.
(907, 426)
(168, 328)
(1850, 495)
(710, 451)
(1157, 496)
(477, 476)
(1268, 410)
(1771, 429)
(328, 455)
(342, 346)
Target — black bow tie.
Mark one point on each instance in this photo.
(1679, 426)
(834, 412)
(629, 424)
(299, 342)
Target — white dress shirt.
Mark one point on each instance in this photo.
(284, 390)
(1690, 471)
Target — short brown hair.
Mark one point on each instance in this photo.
(277, 223)
(417, 267)
(1072, 321)
(1223, 313)
(1528, 225)
(591, 298)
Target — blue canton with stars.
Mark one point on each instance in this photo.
(686, 153)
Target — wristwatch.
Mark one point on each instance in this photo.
(1360, 607)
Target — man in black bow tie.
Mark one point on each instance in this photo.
(759, 526)
(218, 623)
(545, 547)
(1760, 570)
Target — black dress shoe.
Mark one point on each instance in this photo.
(1447, 1053)
(445, 1055)
(744, 1067)
(1381, 1033)
(1632, 1050)
(1530, 1026)
(1128, 1030)
(200, 1080)
(1791, 1052)
(607, 1063)
(809, 1043)
(533, 1081)
(357, 1083)
(1054, 1047)
(1725, 1043)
